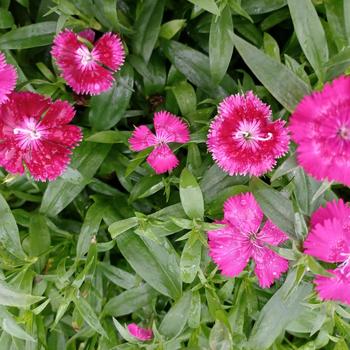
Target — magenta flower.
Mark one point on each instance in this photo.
(8, 77)
(320, 126)
(329, 241)
(168, 128)
(244, 237)
(34, 133)
(243, 139)
(88, 71)
(140, 333)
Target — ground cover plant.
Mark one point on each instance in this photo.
(174, 174)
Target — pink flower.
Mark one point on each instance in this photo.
(34, 133)
(243, 139)
(8, 77)
(320, 126)
(140, 333)
(88, 71)
(329, 240)
(168, 128)
(244, 237)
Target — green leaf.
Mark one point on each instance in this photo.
(147, 27)
(169, 29)
(310, 33)
(190, 259)
(118, 276)
(275, 206)
(176, 318)
(271, 47)
(130, 301)
(10, 296)
(146, 187)
(89, 228)
(336, 19)
(10, 326)
(191, 195)
(220, 44)
(257, 7)
(89, 315)
(86, 160)
(9, 235)
(208, 5)
(284, 85)
(6, 19)
(108, 108)
(39, 238)
(194, 65)
(121, 226)
(284, 307)
(185, 96)
(33, 35)
(220, 337)
(156, 264)
(194, 317)
(110, 136)
(338, 64)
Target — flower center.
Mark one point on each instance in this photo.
(249, 134)
(28, 133)
(85, 56)
(31, 134)
(254, 240)
(344, 132)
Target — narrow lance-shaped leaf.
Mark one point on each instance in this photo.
(282, 83)
(275, 206)
(220, 44)
(191, 195)
(310, 33)
(208, 5)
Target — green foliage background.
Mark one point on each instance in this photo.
(110, 242)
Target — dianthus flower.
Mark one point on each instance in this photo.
(88, 71)
(243, 139)
(140, 333)
(244, 237)
(320, 126)
(34, 133)
(8, 77)
(168, 128)
(329, 241)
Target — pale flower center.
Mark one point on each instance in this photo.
(344, 132)
(28, 133)
(85, 56)
(249, 134)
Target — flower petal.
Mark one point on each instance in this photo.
(142, 138)
(59, 112)
(328, 241)
(336, 287)
(162, 159)
(269, 266)
(140, 333)
(229, 249)
(271, 234)
(243, 213)
(170, 128)
(8, 77)
(11, 157)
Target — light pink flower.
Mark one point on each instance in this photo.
(168, 128)
(243, 139)
(140, 333)
(8, 77)
(34, 133)
(320, 126)
(329, 241)
(88, 71)
(244, 237)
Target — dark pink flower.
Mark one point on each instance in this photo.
(8, 77)
(244, 237)
(320, 126)
(329, 241)
(34, 133)
(243, 139)
(140, 333)
(88, 71)
(168, 128)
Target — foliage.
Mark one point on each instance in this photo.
(110, 242)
